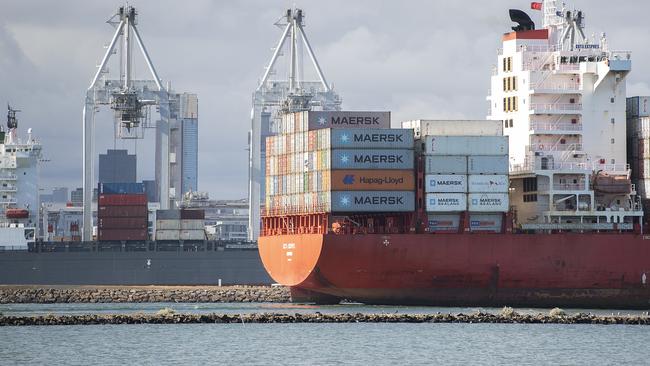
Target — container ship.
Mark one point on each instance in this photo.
(534, 206)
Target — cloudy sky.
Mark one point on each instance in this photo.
(419, 59)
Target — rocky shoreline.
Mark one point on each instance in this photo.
(167, 316)
(124, 294)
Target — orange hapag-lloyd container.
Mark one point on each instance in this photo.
(373, 180)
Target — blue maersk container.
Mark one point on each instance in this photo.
(121, 188)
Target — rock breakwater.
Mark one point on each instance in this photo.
(173, 318)
(124, 294)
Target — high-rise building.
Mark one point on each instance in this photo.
(117, 166)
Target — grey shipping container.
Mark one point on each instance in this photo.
(465, 145)
(434, 164)
(455, 127)
(192, 235)
(168, 234)
(348, 119)
(168, 214)
(372, 159)
(372, 138)
(373, 201)
(497, 164)
(192, 225)
(166, 224)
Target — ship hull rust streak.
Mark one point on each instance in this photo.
(567, 270)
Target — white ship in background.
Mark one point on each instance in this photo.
(19, 184)
(561, 97)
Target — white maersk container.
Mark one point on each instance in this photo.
(465, 145)
(488, 184)
(446, 202)
(445, 183)
(488, 202)
(480, 164)
(455, 127)
(434, 164)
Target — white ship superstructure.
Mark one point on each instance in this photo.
(19, 183)
(561, 96)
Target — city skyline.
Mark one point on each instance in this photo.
(428, 60)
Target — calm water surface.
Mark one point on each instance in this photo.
(314, 344)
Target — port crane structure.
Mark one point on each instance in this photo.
(273, 97)
(130, 100)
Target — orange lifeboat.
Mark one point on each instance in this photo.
(17, 213)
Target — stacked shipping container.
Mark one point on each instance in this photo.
(122, 212)
(183, 224)
(464, 173)
(339, 162)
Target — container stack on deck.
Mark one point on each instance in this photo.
(339, 162)
(466, 180)
(122, 212)
(183, 224)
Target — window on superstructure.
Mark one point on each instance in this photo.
(515, 105)
(505, 64)
(530, 184)
(611, 100)
(509, 63)
(530, 198)
(505, 84)
(505, 108)
(514, 83)
(508, 84)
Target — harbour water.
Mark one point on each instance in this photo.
(313, 344)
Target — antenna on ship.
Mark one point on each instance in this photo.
(12, 121)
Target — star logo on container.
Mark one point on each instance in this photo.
(348, 179)
(345, 201)
(474, 201)
(345, 159)
(345, 138)
(322, 121)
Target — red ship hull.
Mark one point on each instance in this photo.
(541, 270)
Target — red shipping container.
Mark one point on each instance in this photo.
(122, 234)
(192, 214)
(122, 223)
(122, 199)
(122, 211)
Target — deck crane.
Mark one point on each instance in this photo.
(272, 98)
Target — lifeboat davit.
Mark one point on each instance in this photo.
(17, 213)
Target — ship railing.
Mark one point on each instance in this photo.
(566, 165)
(8, 189)
(556, 147)
(562, 187)
(7, 177)
(620, 55)
(568, 67)
(551, 126)
(7, 201)
(555, 106)
(538, 48)
(556, 86)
